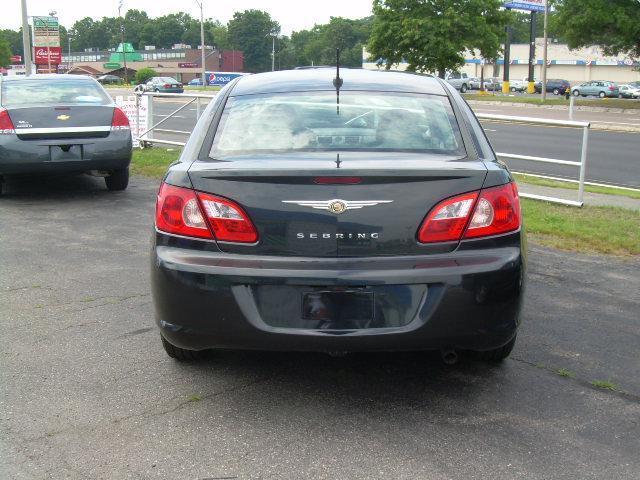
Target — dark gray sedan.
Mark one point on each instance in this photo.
(62, 124)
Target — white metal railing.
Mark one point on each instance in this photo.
(147, 137)
(581, 165)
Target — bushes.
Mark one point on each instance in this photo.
(145, 74)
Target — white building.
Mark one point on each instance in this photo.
(576, 66)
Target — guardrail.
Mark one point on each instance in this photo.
(147, 136)
(581, 165)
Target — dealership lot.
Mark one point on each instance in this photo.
(87, 391)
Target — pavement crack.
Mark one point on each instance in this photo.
(631, 397)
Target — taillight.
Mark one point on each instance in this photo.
(611, 87)
(182, 211)
(491, 211)
(167, 85)
(178, 211)
(119, 120)
(227, 220)
(6, 125)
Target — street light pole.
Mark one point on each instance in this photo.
(273, 52)
(544, 52)
(203, 66)
(26, 41)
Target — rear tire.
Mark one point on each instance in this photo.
(576, 93)
(556, 91)
(181, 354)
(463, 88)
(602, 94)
(118, 180)
(498, 354)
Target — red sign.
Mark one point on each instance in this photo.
(16, 59)
(46, 55)
(187, 65)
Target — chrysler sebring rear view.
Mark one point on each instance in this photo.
(337, 212)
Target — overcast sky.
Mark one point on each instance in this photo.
(292, 14)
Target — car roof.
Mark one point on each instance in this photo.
(319, 79)
(48, 77)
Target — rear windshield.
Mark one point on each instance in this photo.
(320, 121)
(51, 92)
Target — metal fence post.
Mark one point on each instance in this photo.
(571, 102)
(149, 134)
(583, 162)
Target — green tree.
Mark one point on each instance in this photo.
(432, 35)
(612, 24)
(145, 74)
(220, 36)
(14, 40)
(250, 31)
(5, 52)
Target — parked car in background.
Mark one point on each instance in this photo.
(518, 85)
(459, 81)
(161, 85)
(628, 91)
(599, 88)
(196, 82)
(110, 80)
(474, 83)
(492, 84)
(62, 124)
(556, 86)
(385, 224)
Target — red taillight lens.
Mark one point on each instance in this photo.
(119, 120)
(227, 219)
(167, 85)
(446, 221)
(491, 211)
(497, 211)
(182, 211)
(337, 180)
(178, 211)
(6, 125)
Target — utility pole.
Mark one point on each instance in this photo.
(531, 87)
(124, 50)
(544, 53)
(26, 40)
(204, 67)
(507, 60)
(273, 52)
(69, 57)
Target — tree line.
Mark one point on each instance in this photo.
(431, 35)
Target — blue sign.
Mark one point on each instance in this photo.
(221, 78)
(530, 5)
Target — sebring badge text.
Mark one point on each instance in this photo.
(341, 236)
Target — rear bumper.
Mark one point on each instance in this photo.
(34, 156)
(206, 300)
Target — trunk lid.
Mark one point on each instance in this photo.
(50, 122)
(380, 215)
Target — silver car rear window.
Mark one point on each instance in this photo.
(320, 121)
(23, 93)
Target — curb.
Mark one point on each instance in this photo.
(582, 108)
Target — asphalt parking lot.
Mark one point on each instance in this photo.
(87, 392)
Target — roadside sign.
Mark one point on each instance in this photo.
(16, 59)
(112, 65)
(46, 55)
(529, 5)
(138, 119)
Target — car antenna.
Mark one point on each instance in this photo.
(337, 82)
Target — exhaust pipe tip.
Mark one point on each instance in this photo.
(449, 356)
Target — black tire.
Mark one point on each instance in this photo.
(602, 94)
(620, 95)
(181, 354)
(556, 91)
(499, 354)
(513, 89)
(157, 90)
(576, 93)
(118, 180)
(463, 88)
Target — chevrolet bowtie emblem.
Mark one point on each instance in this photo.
(63, 117)
(336, 205)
